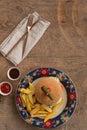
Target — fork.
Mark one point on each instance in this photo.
(29, 25)
(28, 28)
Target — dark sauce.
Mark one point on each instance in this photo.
(14, 73)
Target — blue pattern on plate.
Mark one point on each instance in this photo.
(71, 93)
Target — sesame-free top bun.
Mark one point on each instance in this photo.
(54, 86)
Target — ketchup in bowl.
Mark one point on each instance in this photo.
(5, 88)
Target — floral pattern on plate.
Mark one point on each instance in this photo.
(71, 95)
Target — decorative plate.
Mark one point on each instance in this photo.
(69, 108)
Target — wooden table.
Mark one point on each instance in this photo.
(63, 46)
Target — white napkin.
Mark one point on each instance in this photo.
(15, 56)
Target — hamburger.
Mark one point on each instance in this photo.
(48, 91)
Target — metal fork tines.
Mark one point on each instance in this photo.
(29, 26)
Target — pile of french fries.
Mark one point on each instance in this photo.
(34, 107)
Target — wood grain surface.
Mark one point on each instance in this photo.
(63, 46)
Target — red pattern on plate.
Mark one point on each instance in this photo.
(48, 124)
(44, 72)
(72, 96)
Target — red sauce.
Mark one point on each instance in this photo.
(5, 87)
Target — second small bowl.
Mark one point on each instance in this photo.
(13, 73)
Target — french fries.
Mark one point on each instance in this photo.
(47, 108)
(58, 105)
(42, 112)
(25, 91)
(39, 115)
(49, 116)
(54, 109)
(32, 88)
(35, 110)
(33, 107)
(30, 97)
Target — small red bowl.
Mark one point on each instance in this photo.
(5, 88)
